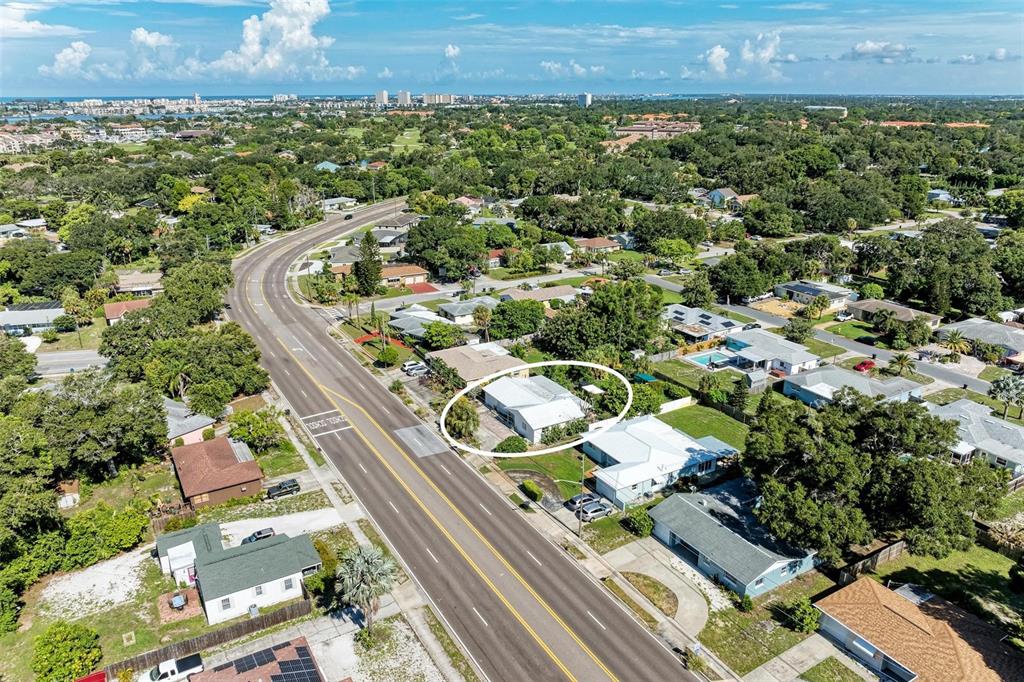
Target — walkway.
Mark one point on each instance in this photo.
(792, 663)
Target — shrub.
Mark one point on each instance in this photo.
(64, 323)
(639, 522)
(512, 444)
(179, 441)
(803, 615)
(66, 651)
(397, 387)
(746, 604)
(552, 435)
(180, 523)
(50, 336)
(260, 430)
(209, 434)
(532, 490)
(674, 391)
(388, 356)
(102, 532)
(10, 605)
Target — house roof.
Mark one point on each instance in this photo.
(979, 429)
(726, 192)
(181, 419)
(988, 332)
(812, 288)
(934, 639)
(561, 246)
(646, 447)
(413, 318)
(903, 313)
(697, 321)
(460, 308)
(214, 464)
(477, 361)
(596, 243)
(327, 166)
(114, 311)
(30, 313)
(398, 221)
(719, 523)
(539, 401)
(542, 294)
(205, 538)
(290, 661)
(386, 236)
(404, 270)
(138, 280)
(771, 346)
(240, 568)
(828, 380)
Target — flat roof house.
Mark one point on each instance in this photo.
(185, 424)
(1010, 339)
(696, 324)
(910, 635)
(215, 471)
(563, 292)
(866, 309)
(338, 203)
(643, 455)
(113, 312)
(478, 360)
(530, 405)
(139, 283)
(715, 530)
(30, 318)
(461, 312)
(982, 434)
(805, 290)
(400, 221)
(760, 349)
(599, 245)
(817, 387)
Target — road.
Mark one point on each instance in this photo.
(65, 362)
(522, 608)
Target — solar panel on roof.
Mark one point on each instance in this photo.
(282, 645)
(244, 664)
(265, 656)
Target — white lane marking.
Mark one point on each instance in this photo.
(534, 558)
(287, 372)
(304, 394)
(596, 620)
(327, 433)
(394, 507)
(318, 414)
(480, 617)
(485, 509)
(445, 469)
(360, 384)
(272, 354)
(385, 409)
(363, 468)
(432, 555)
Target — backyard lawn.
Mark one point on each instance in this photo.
(85, 338)
(855, 330)
(1009, 505)
(700, 421)
(280, 460)
(562, 467)
(689, 374)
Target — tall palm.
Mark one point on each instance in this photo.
(1002, 389)
(364, 576)
(1017, 393)
(883, 321)
(351, 299)
(482, 319)
(901, 364)
(956, 343)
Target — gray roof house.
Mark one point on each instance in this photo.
(697, 324)
(398, 222)
(1010, 339)
(982, 434)
(388, 238)
(817, 387)
(34, 317)
(563, 247)
(461, 312)
(867, 308)
(715, 530)
(806, 290)
(530, 405)
(183, 423)
(759, 349)
(412, 319)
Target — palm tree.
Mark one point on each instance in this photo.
(901, 364)
(364, 576)
(884, 321)
(462, 420)
(1002, 389)
(351, 299)
(956, 343)
(1017, 393)
(482, 319)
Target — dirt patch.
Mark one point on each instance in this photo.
(778, 306)
(192, 608)
(552, 497)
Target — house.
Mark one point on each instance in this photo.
(390, 239)
(215, 471)
(563, 249)
(981, 434)
(349, 254)
(909, 634)
(113, 312)
(598, 245)
(339, 203)
(177, 551)
(739, 202)
(643, 455)
(472, 204)
(562, 292)
(530, 405)
(866, 309)
(402, 221)
(377, 165)
(490, 222)
(715, 530)
(290, 661)
(497, 257)
(1009, 339)
(139, 283)
(478, 360)
(30, 318)
(33, 224)
(185, 424)
(720, 197)
(817, 387)
(327, 166)
(696, 324)
(12, 231)
(461, 312)
(940, 195)
(402, 275)
(804, 291)
(624, 239)
(760, 349)
(413, 319)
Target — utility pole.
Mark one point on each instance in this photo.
(579, 509)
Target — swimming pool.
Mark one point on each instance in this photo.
(705, 359)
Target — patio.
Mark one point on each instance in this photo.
(193, 607)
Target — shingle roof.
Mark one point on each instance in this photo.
(256, 563)
(475, 362)
(542, 294)
(988, 332)
(596, 243)
(935, 640)
(214, 464)
(114, 311)
(181, 419)
(903, 313)
(205, 538)
(979, 429)
(828, 380)
(720, 524)
(460, 308)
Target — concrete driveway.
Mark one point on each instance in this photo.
(792, 663)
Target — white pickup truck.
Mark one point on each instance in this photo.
(174, 670)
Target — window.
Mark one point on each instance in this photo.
(225, 604)
(759, 582)
(288, 584)
(1000, 461)
(705, 466)
(258, 590)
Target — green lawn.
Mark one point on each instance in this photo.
(830, 670)
(855, 330)
(562, 467)
(355, 132)
(731, 315)
(670, 297)
(144, 481)
(949, 395)
(624, 254)
(393, 292)
(991, 373)
(571, 281)
(283, 459)
(656, 592)
(435, 303)
(607, 534)
(689, 374)
(977, 575)
(816, 346)
(699, 421)
(1009, 505)
(504, 274)
(407, 140)
(881, 373)
(87, 337)
(744, 641)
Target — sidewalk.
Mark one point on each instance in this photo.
(792, 663)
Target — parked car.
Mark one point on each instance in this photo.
(261, 534)
(283, 489)
(865, 366)
(843, 316)
(581, 500)
(751, 325)
(348, 216)
(173, 670)
(418, 370)
(409, 364)
(593, 511)
(664, 272)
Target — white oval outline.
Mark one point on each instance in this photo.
(546, 451)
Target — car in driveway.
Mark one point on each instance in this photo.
(283, 489)
(261, 534)
(593, 511)
(581, 500)
(409, 364)
(865, 366)
(843, 316)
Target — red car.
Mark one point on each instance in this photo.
(865, 366)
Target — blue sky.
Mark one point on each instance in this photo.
(147, 47)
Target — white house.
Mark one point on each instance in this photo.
(339, 203)
(805, 290)
(817, 387)
(760, 349)
(982, 434)
(461, 312)
(698, 325)
(530, 405)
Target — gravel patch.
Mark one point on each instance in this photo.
(97, 588)
(401, 658)
(718, 598)
(288, 524)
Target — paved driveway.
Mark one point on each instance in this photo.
(792, 663)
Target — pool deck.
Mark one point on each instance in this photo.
(723, 356)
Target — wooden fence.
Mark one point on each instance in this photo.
(211, 639)
(871, 562)
(1015, 485)
(160, 522)
(988, 537)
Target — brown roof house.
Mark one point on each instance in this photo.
(598, 245)
(113, 312)
(139, 283)
(908, 635)
(214, 471)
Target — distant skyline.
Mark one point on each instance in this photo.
(249, 47)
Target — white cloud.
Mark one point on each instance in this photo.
(385, 73)
(573, 69)
(1001, 54)
(965, 59)
(802, 6)
(659, 75)
(880, 51)
(685, 73)
(69, 62)
(468, 17)
(715, 58)
(152, 39)
(452, 51)
(15, 23)
(764, 53)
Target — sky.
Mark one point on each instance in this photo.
(257, 47)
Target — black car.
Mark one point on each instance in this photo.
(348, 216)
(261, 534)
(289, 487)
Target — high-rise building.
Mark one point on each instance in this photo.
(585, 100)
(382, 98)
(436, 98)
(404, 98)
(196, 99)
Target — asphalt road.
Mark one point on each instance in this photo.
(65, 362)
(522, 608)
